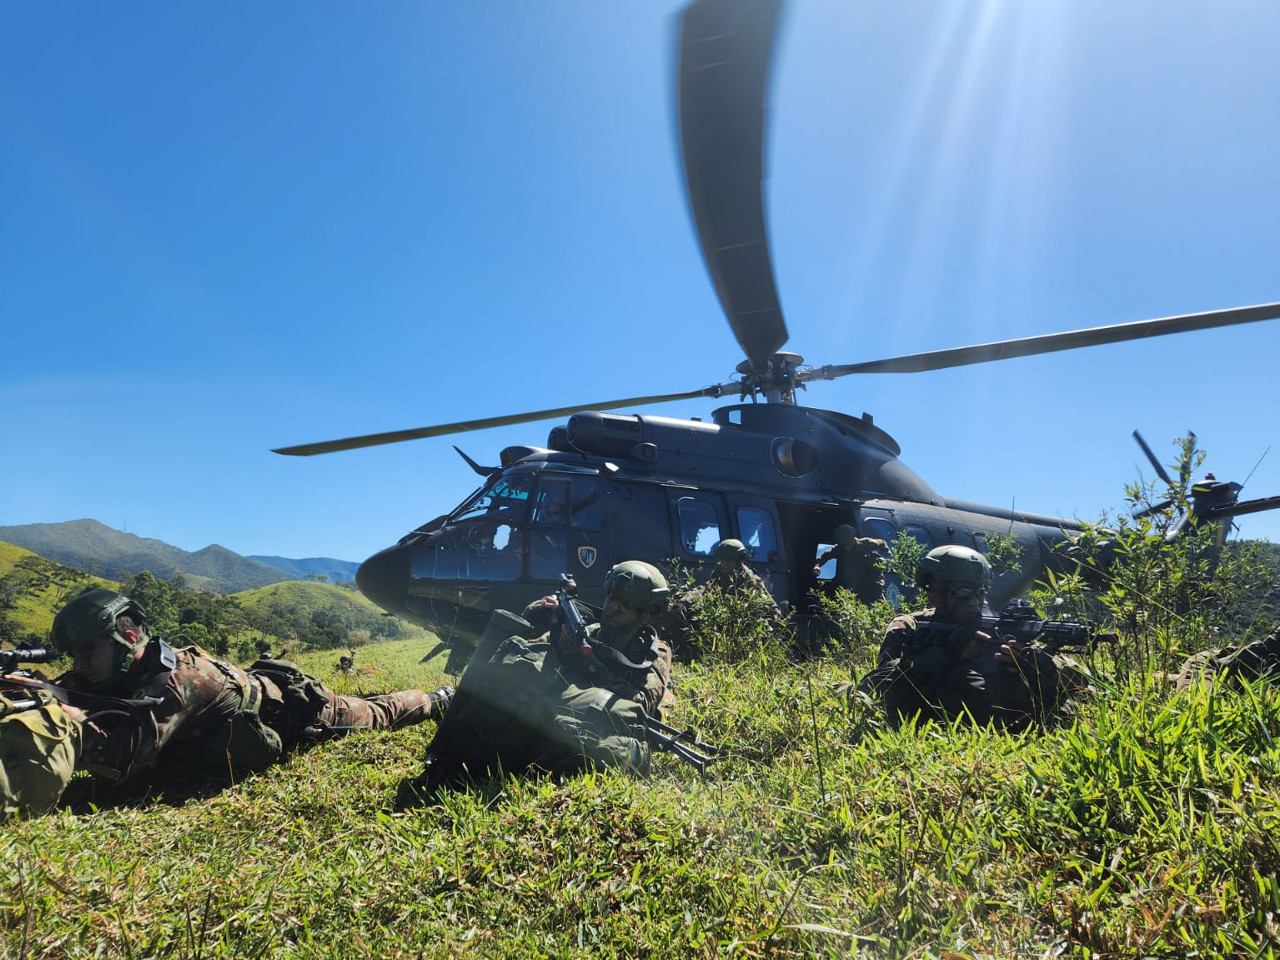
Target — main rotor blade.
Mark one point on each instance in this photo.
(1159, 467)
(1048, 343)
(1154, 508)
(1243, 507)
(462, 426)
(724, 65)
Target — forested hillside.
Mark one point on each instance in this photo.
(32, 590)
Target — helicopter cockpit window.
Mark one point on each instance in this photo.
(699, 526)
(551, 505)
(476, 550)
(756, 529)
(506, 498)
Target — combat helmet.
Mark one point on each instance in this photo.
(731, 550)
(640, 584)
(955, 565)
(92, 615)
(844, 535)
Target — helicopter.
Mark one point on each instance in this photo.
(777, 475)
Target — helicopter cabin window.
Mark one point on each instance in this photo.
(699, 526)
(755, 526)
(920, 533)
(880, 529)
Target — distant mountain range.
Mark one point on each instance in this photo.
(98, 549)
(335, 570)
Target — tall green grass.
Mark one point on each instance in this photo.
(1145, 828)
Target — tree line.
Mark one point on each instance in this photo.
(224, 625)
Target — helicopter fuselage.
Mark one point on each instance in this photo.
(610, 487)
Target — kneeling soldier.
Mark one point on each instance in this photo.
(558, 702)
(937, 665)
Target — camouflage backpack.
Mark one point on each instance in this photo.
(38, 750)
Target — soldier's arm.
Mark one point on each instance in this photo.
(896, 640)
(120, 745)
(113, 746)
(657, 683)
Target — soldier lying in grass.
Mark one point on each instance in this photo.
(189, 708)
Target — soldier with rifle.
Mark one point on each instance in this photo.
(39, 741)
(144, 703)
(579, 696)
(941, 664)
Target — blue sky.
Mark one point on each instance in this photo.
(231, 227)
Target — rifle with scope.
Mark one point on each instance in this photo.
(685, 744)
(16, 684)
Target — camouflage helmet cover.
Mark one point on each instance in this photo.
(640, 584)
(92, 615)
(731, 550)
(953, 564)
(845, 535)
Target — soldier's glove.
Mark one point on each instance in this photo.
(440, 700)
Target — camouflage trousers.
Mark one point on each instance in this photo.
(388, 711)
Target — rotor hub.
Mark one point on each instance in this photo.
(777, 382)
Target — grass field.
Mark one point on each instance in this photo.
(1146, 828)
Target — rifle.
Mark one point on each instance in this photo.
(18, 682)
(17, 685)
(1019, 621)
(10, 659)
(685, 744)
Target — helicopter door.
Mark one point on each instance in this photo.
(637, 519)
(566, 532)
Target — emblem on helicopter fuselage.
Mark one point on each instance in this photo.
(587, 556)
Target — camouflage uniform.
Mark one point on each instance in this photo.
(939, 673)
(1253, 661)
(739, 579)
(857, 567)
(220, 716)
(549, 704)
